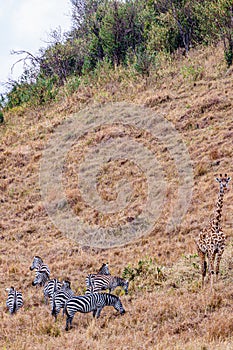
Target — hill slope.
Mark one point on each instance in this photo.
(166, 308)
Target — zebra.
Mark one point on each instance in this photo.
(42, 271)
(60, 297)
(50, 288)
(102, 271)
(87, 303)
(38, 264)
(96, 283)
(14, 300)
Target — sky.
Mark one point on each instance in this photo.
(25, 25)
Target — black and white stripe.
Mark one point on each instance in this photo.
(60, 297)
(50, 288)
(14, 300)
(39, 265)
(40, 279)
(42, 271)
(87, 303)
(104, 270)
(97, 283)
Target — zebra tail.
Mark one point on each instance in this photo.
(64, 312)
(53, 313)
(14, 308)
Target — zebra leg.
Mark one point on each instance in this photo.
(69, 322)
(55, 315)
(94, 312)
(98, 311)
(53, 312)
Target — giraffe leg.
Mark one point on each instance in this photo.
(203, 266)
(211, 257)
(218, 259)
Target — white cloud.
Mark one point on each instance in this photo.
(25, 25)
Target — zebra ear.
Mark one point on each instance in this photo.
(217, 179)
(229, 178)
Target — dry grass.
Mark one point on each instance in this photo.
(165, 308)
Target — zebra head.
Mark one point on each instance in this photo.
(9, 290)
(125, 285)
(66, 284)
(104, 270)
(119, 307)
(40, 279)
(37, 261)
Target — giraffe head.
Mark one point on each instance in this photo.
(223, 181)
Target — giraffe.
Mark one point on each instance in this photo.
(211, 240)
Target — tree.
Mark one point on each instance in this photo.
(121, 30)
(179, 13)
(216, 22)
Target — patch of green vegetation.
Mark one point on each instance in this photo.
(72, 85)
(146, 275)
(191, 72)
(191, 259)
(1, 117)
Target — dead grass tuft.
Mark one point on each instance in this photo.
(221, 326)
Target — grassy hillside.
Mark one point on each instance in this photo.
(166, 307)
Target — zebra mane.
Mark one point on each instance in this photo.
(108, 296)
(38, 257)
(120, 281)
(66, 284)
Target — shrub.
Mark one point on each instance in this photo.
(144, 269)
(1, 117)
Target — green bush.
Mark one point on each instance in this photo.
(72, 84)
(144, 269)
(229, 56)
(191, 72)
(1, 117)
(113, 32)
(143, 62)
(38, 93)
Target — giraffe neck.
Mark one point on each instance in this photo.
(218, 211)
